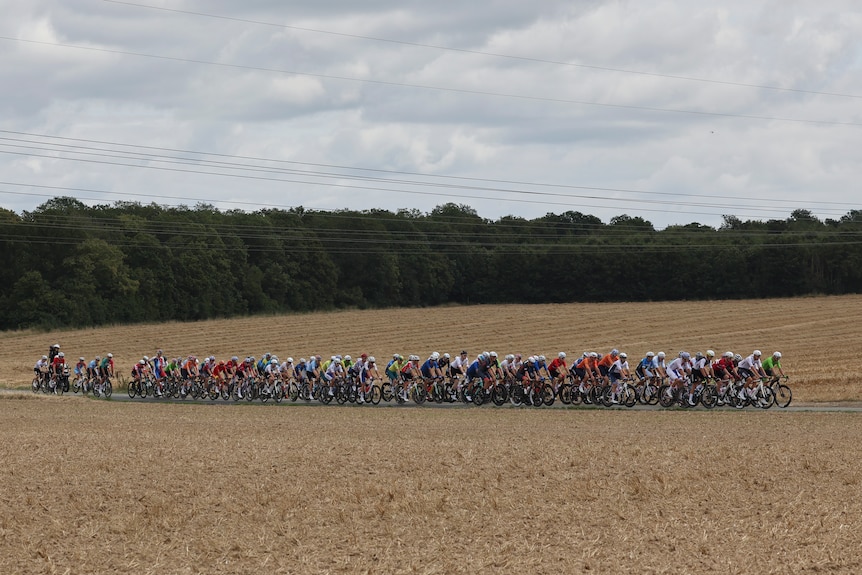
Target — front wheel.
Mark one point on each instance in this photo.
(783, 395)
(109, 388)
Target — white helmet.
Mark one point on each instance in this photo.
(615, 352)
(371, 359)
(777, 355)
(756, 353)
(623, 355)
(710, 353)
(446, 356)
(146, 358)
(347, 358)
(290, 360)
(728, 354)
(594, 355)
(44, 357)
(301, 360)
(110, 355)
(562, 355)
(142, 362)
(493, 354)
(661, 355)
(650, 354)
(541, 358)
(435, 356)
(273, 361)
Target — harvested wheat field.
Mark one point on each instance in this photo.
(108, 487)
(806, 330)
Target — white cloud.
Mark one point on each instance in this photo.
(550, 136)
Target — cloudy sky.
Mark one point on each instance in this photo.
(675, 111)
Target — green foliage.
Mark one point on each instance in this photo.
(69, 264)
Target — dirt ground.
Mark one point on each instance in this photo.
(109, 487)
(820, 337)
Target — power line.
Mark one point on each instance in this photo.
(444, 177)
(438, 88)
(483, 53)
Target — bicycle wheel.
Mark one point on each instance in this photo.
(478, 396)
(666, 396)
(548, 396)
(765, 398)
(109, 388)
(517, 395)
(374, 395)
(782, 394)
(499, 396)
(629, 397)
(386, 393)
(709, 396)
(565, 394)
(131, 390)
(419, 394)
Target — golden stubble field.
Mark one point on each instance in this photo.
(117, 487)
(820, 337)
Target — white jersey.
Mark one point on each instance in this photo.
(459, 364)
(699, 364)
(750, 363)
(658, 363)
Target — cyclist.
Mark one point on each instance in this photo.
(106, 367)
(618, 370)
(367, 375)
(606, 362)
(408, 373)
(41, 369)
(558, 370)
(58, 364)
(431, 368)
(659, 367)
(80, 369)
(459, 365)
(93, 369)
(772, 364)
(159, 364)
(677, 371)
(53, 351)
(393, 368)
(443, 364)
(751, 368)
(644, 368)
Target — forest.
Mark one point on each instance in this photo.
(67, 264)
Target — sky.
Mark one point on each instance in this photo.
(674, 111)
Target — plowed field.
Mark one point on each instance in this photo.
(820, 337)
(106, 487)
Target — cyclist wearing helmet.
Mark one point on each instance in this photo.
(619, 370)
(53, 351)
(431, 368)
(558, 370)
(81, 367)
(507, 369)
(409, 372)
(106, 366)
(606, 362)
(58, 364)
(443, 363)
(659, 367)
(367, 375)
(700, 368)
(772, 364)
(677, 371)
(750, 368)
(644, 368)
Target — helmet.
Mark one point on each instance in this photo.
(347, 357)
(594, 355)
(777, 355)
(541, 358)
(446, 356)
(273, 361)
(518, 356)
(80, 359)
(435, 356)
(97, 358)
(267, 355)
(159, 352)
(400, 357)
(650, 354)
(510, 357)
(685, 355)
(728, 354)
(661, 355)
(371, 359)
(44, 357)
(301, 360)
(531, 359)
(756, 353)
(290, 360)
(493, 354)
(221, 363)
(142, 362)
(562, 355)
(737, 357)
(615, 352)
(56, 346)
(364, 356)
(148, 359)
(698, 355)
(710, 353)
(234, 358)
(395, 356)
(463, 352)
(110, 355)
(212, 357)
(623, 356)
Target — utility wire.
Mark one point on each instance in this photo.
(438, 88)
(490, 54)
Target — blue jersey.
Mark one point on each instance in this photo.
(427, 367)
(476, 370)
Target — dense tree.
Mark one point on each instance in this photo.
(69, 264)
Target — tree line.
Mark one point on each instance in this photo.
(69, 264)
